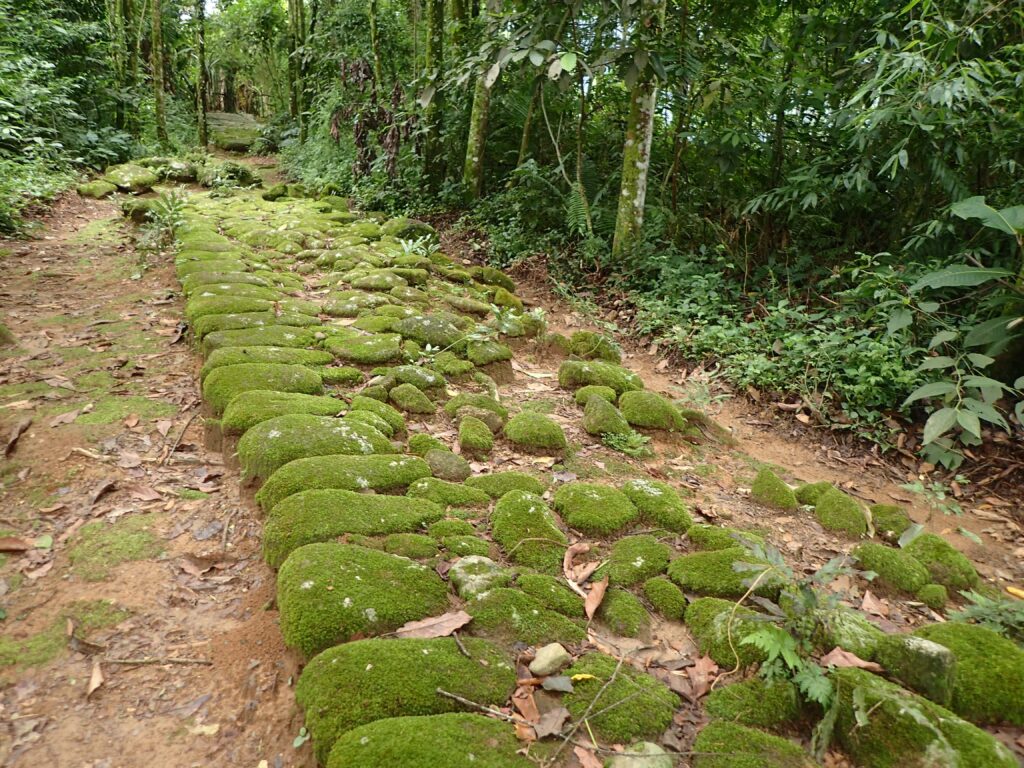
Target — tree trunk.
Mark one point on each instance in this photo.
(378, 69)
(433, 115)
(300, 64)
(293, 64)
(202, 84)
(156, 57)
(229, 91)
(473, 168)
(636, 152)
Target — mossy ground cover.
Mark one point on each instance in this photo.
(98, 547)
(43, 647)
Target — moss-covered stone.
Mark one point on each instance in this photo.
(468, 305)
(509, 616)
(904, 730)
(808, 493)
(651, 411)
(96, 189)
(711, 573)
(602, 418)
(421, 442)
(755, 703)
(505, 298)
(485, 352)
(895, 568)
(989, 676)
(623, 613)
(418, 376)
(658, 503)
(344, 375)
(208, 324)
(435, 330)
(476, 400)
(273, 355)
(525, 529)
(722, 744)
(352, 303)
(475, 438)
(324, 515)
(493, 276)
(552, 593)
(475, 575)
(429, 742)
(947, 565)
(386, 472)
(596, 510)
(594, 346)
(921, 665)
(391, 415)
(372, 349)
(224, 383)
(201, 306)
(464, 546)
(329, 593)
(263, 336)
(369, 680)
(446, 465)
(848, 629)
(271, 444)
(448, 494)
(497, 484)
(411, 399)
(415, 546)
(249, 408)
(934, 596)
(837, 511)
(374, 324)
(666, 598)
(450, 365)
(583, 394)
(889, 520)
(573, 374)
(535, 432)
(713, 537)
(131, 178)
(644, 705)
(718, 626)
(770, 490)
(634, 559)
(451, 527)
(493, 421)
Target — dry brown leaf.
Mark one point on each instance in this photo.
(64, 418)
(103, 486)
(132, 420)
(578, 548)
(524, 703)
(701, 674)
(594, 597)
(435, 626)
(525, 732)
(129, 460)
(551, 722)
(838, 657)
(871, 604)
(584, 571)
(95, 679)
(16, 431)
(163, 427)
(144, 493)
(15, 544)
(587, 757)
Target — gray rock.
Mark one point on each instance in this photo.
(550, 659)
(474, 575)
(643, 754)
(921, 665)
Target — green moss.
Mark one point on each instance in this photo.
(713, 537)
(755, 703)
(99, 546)
(658, 503)
(234, 289)
(594, 346)
(723, 744)
(374, 392)
(634, 559)
(485, 352)
(989, 675)
(597, 510)
(944, 562)
(808, 493)
(271, 444)
(264, 336)
(391, 415)
(933, 595)
(509, 616)
(666, 597)
(412, 545)
(906, 730)
(196, 281)
(475, 400)
(411, 399)
(895, 568)
(107, 410)
(251, 407)
(768, 489)
(602, 418)
(552, 593)
(276, 355)
(468, 305)
(921, 665)
(475, 575)
(324, 515)
(497, 484)
(372, 349)
(209, 324)
(505, 298)
(43, 647)
(448, 494)
(583, 394)
(371, 420)
(451, 527)
(837, 511)
(446, 465)
(535, 432)
(375, 324)
(636, 706)
(475, 438)
(385, 472)
(192, 495)
(96, 189)
(718, 626)
(651, 410)
(420, 443)
(436, 330)
(623, 613)
(329, 593)
(525, 529)
(848, 629)
(201, 306)
(711, 573)
(418, 376)
(449, 364)
(352, 303)
(131, 178)
(465, 546)
(889, 520)
(493, 421)
(573, 374)
(493, 276)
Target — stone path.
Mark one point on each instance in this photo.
(360, 379)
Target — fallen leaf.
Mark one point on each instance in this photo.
(525, 732)
(524, 703)
(144, 493)
(435, 626)
(701, 674)
(132, 420)
(15, 544)
(95, 679)
(551, 722)
(163, 427)
(583, 572)
(594, 597)
(105, 485)
(838, 657)
(1016, 592)
(16, 431)
(205, 730)
(871, 604)
(129, 460)
(586, 757)
(64, 418)
(578, 548)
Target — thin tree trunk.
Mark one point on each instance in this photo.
(473, 168)
(433, 115)
(300, 64)
(293, 64)
(378, 69)
(156, 57)
(531, 109)
(202, 84)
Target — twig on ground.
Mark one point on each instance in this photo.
(158, 660)
(482, 707)
(178, 441)
(462, 648)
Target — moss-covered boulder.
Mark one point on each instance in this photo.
(352, 303)
(651, 411)
(712, 573)
(509, 616)
(224, 383)
(476, 400)
(848, 629)
(590, 345)
(418, 376)
(536, 433)
(368, 680)
(131, 178)
(573, 374)
(201, 306)
(634, 559)
(497, 484)
(404, 228)
(475, 438)
(770, 490)
(96, 190)
(411, 399)
(718, 626)
(476, 575)
(446, 465)
(371, 349)
(722, 744)
(525, 529)
(257, 405)
(889, 520)
(450, 365)
(329, 593)
(837, 511)
(493, 276)
(989, 678)
(340, 375)
(665, 597)
(486, 351)
(623, 613)
(904, 730)
(385, 472)
(946, 564)
(464, 546)
(602, 418)
(263, 336)
(711, 537)
(808, 493)
(421, 442)
(659, 504)
(593, 509)
(756, 703)
(327, 514)
(934, 596)
(583, 394)
(632, 706)
(239, 321)
(922, 665)
(435, 330)
(552, 593)
(273, 443)
(448, 494)
(391, 415)
(314, 358)
(895, 568)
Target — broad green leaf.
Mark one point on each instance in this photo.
(989, 331)
(1008, 220)
(491, 76)
(969, 422)
(932, 389)
(986, 412)
(959, 276)
(568, 61)
(983, 382)
(934, 363)
(536, 57)
(928, 306)
(941, 338)
(981, 361)
(910, 534)
(938, 424)
(970, 535)
(899, 320)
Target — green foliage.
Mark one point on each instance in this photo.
(632, 443)
(999, 614)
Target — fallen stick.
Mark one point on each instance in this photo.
(159, 660)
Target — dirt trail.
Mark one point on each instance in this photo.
(111, 388)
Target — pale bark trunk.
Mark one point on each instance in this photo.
(202, 86)
(433, 115)
(156, 44)
(473, 169)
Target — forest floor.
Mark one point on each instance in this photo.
(159, 640)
